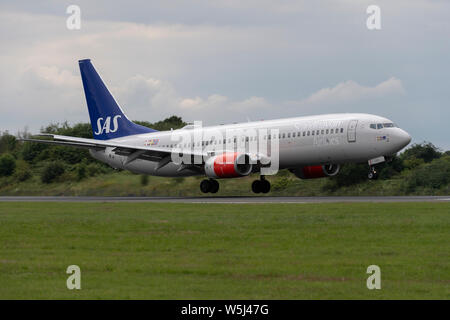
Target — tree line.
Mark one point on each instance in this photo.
(421, 165)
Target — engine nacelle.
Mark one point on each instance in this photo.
(312, 172)
(228, 165)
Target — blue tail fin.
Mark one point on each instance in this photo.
(107, 118)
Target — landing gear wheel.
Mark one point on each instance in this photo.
(373, 174)
(214, 186)
(265, 186)
(205, 186)
(209, 185)
(256, 186)
(261, 186)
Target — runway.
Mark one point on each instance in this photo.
(232, 200)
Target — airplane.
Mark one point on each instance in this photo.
(309, 147)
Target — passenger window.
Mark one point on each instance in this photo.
(312, 132)
(308, 134)
(332, 131)
(284, 135)
(321, 132)
(303, 133)
(317, 132)
(289, 135)
(326, 131)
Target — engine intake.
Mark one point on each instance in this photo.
(320, 171)
(228, 165)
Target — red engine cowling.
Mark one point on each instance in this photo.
(228, 165)
(312, 172)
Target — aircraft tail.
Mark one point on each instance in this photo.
(107, 118)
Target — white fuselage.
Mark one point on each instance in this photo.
(303, 141)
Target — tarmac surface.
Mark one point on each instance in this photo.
(223, 199)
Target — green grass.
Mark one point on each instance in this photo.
(215, 251)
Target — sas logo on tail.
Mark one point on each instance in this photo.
(104, 126)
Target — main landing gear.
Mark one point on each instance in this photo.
(373, 174)
(261, 186)
(209, 185)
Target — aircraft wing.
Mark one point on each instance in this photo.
(132, 152)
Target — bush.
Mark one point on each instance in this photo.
(144, 179)
(81, 171)
(96, 168)
(281, 183)
(413, 163)
(348, 175)
(52, 171)
(433, 175)
(23, 171)
(7, 164)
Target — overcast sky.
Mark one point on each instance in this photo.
(229, 61)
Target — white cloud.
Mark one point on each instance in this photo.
(350, 91)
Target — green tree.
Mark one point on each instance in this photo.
(7, 143)
(425, 151)
(7, 164)
(172, 122)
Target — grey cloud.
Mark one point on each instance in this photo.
(200, 58)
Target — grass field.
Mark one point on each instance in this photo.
(219, 251)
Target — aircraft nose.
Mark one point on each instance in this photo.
(403, 138)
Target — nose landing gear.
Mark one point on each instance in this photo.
(373, 174)
(209, 185)
(261, 186)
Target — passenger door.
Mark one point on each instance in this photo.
(351, 131)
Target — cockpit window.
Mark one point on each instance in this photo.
(382, 125)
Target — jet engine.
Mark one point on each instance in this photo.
(320, 171)
(228, 165)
